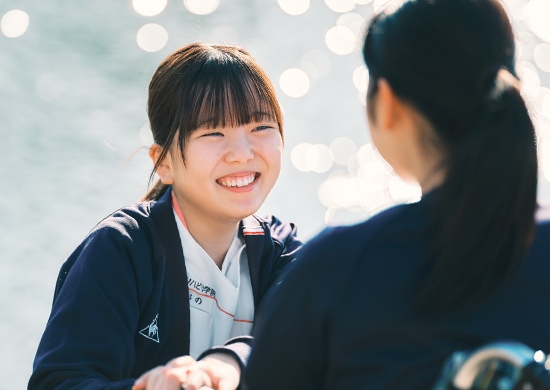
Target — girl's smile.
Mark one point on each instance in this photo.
(226, 172)
(239, 182)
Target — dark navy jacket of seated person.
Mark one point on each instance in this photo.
(344, 319)
(121, 302)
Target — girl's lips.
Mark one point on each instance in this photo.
(238, 181)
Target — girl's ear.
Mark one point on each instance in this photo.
(389, 106)
(164, 168)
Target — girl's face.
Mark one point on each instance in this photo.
(228, 172)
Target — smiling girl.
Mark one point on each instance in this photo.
(187, 268)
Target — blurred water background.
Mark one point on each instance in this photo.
(73, 125)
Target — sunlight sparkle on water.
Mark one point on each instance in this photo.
(201, 7)
(311, 158)
(149, 7)
(340, 40)
(545, 105)
(545, 157)
(399, 190)
(537, 18)
(14, 23)
(340, 5)
(353, 21)
(315, 63)
(529, 75)
(541, 56)
(152, 37)
(379, 4)
(294, 7)
(361, 78)
(294, 82)
(342, 149)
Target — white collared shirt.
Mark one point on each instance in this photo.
(221, 301)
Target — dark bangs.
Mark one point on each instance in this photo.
(226, 90)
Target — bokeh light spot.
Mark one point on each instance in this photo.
(541, 55)
(340, 40)
(294, 7)
(537, 18)
(319, 158)
(545, 105)
(149, 7)
(307, 157)
(361, 79)
(298, 157)
(152, 37)
(401, 191)
(539, 356)
(353, 21)
(315, 63)
(294, 82)
(367, 153)
(342, 149)
(530, 80)
(201, 7)
(48, 86)
(340, 5)
(14, 23)
(545, 153)
(379, 4)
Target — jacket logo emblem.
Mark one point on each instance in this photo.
(151, 331)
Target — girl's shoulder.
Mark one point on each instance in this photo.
(126, 219)
(136, 217)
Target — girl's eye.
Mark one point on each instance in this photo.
(213, 134)
(263, 127)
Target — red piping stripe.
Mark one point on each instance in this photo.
(215, 300)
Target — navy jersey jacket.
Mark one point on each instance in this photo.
(121, 304)
(344, 318)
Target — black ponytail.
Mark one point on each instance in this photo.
(485, 208)
(454, 62)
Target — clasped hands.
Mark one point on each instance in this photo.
(216, 371)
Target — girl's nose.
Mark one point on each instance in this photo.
(240, 148)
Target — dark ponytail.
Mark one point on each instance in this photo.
(485, 208)
(454, 62)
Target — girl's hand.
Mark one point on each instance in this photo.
(216, 371)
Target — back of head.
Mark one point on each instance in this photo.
(454, 61)
(206, 85)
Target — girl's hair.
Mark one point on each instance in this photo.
(453, 60)
(206, 85)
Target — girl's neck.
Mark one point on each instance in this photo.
(213, 235)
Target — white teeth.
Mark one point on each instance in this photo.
(239, 182)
